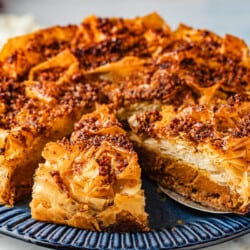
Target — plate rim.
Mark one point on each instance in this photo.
(9, 228)
(56, 246)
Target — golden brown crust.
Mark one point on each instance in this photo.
(19, 54)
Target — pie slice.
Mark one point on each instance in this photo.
(186, 152)
(92, 180)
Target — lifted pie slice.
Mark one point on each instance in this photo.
(185, 151)
(91, 180)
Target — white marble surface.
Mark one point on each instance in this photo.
(221, 16)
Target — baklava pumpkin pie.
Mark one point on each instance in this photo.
(180, 96)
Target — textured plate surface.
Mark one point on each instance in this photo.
(173, 227)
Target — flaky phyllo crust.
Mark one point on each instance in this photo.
(92, 180)
(182, 96)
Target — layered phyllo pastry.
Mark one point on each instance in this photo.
(92, 180)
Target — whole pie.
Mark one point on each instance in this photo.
(182, 96)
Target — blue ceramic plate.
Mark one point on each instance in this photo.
(173, 227)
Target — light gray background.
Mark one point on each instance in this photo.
(221, 16)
